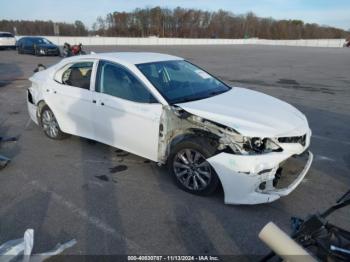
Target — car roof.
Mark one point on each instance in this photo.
(33, 37)
(133, 57)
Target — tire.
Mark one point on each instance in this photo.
(19, 49)
(50, 125)
(196, 176)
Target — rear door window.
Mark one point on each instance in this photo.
(78, 75)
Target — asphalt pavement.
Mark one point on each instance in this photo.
(113, 202)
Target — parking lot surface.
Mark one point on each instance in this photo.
(113, 202)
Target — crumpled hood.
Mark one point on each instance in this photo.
(251, 113)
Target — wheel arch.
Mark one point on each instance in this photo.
(40, 106)
(192, 133)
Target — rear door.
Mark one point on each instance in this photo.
(127, 115)
(28, 45)
(70, 98)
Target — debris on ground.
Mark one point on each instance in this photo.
(3, 159)
(121, 153)
(21, 248)
(8, 139)
(118, 168)
(103, 177)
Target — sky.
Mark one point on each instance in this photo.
(324, 12)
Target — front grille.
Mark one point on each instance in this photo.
(289, 170)
(293, 139)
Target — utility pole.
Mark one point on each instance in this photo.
(56, 29)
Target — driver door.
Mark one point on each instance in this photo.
(126, 114)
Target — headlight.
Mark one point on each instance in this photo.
(259, 145)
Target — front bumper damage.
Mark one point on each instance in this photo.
(256, 179)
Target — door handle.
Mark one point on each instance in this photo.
(94, 101)
(102, 104)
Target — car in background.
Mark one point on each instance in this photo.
(7, 40)
(38, 46)
(347, 43)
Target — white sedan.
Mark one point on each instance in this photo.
(168, 110)
(7, 40)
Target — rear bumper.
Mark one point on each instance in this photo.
(256, 179)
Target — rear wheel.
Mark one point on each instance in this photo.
(190, 169)
(50, 125)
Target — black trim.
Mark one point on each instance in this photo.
(30, 97)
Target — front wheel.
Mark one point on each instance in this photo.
(50, 125)
(190, 169)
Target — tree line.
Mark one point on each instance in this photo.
(183, 23)
(195, 23)
(38, 27)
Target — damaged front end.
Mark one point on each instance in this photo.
(252, 170)
(255, 179)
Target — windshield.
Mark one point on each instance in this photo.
(41, 41)
(180, 81)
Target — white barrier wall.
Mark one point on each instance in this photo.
(60, 40)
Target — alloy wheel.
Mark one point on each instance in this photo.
(192, 169)
(50, 124)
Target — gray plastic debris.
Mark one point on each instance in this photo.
(12, 249)
(28, 244)
(21, 249)
(57, 250)
(4, 161)
(9, 139)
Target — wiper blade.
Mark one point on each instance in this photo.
(183, 100)
(190, 99)
(217, 92)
